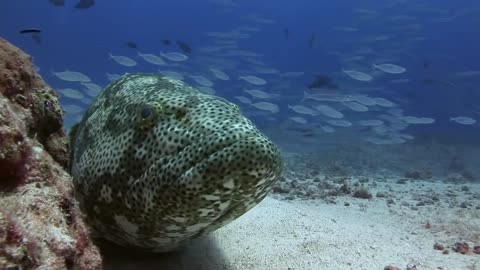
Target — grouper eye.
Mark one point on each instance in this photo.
(146, 112)
(148, 115)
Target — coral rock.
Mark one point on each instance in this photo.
(40, 222)
(461, 247)
(391, 267)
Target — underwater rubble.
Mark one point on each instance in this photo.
(40, 221)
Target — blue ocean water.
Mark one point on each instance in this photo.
(435, 41)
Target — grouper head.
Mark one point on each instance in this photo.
(157, 163)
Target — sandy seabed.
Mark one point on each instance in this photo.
(311, 234)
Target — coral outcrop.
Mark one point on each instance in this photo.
(40, 222)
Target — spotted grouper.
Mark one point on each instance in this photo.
(156, 163)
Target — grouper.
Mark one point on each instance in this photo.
(157, 163)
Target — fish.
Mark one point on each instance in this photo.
(363, 99)
(286, 33)
(160, 143)
(253, 80)
(71, 76)
(244, 100)
(166, 42)
(132, 45)
(172, 74)
(202, 80)
(326, 97)
(123, 60)
(258, 93)
(327, 129)
(417, 120)
(370, 123)
(464, 120)
(85, 4)
(58, 3)
(112, 77)
(339, 123)
(219, 74)
(355, 106)
(93, 89)
(30, 31)
(73, 109)
(390, 68)
(184, 46)
(206, 90)
(174, 56)
(311, 41)
(298, 119)
(383, 102)
(302, 109)
(71, 93)
(328, 111)
(151, 58)
(266, 106)
(321, 81)
(357, 75)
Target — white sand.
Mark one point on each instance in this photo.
(301, 235)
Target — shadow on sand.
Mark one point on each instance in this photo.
(201, 254)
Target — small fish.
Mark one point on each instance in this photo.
(253, 80)
(166, 42)
(370, 123)
(71, 93)
(321, 81)
(357, 75)
(85, 4)
(327, 129)
(93, 89)
(383, 102)
(172, 74)
(184, 46)
(328, 111)
(302, 109)
(132, 45)
(112, 77)
(174, 56)
(202, 80)
(123, 60)
(58, 3)
(71, 76)
(266, 106)
(298, 119)
(390, 68)
(206, 90)
(365, 100)
(339, 123)
(311, 41)
(355, 106)
(30, 31)
(258, 94)
(72, 109)
(219, 74)
(286, 33)
(244, 100)
(464, 120)
(151, 58)
(417, 120)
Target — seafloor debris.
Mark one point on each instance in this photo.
(40, 222)
(461, 247)
(419, 174)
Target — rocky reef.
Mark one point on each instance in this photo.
(40, 221)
